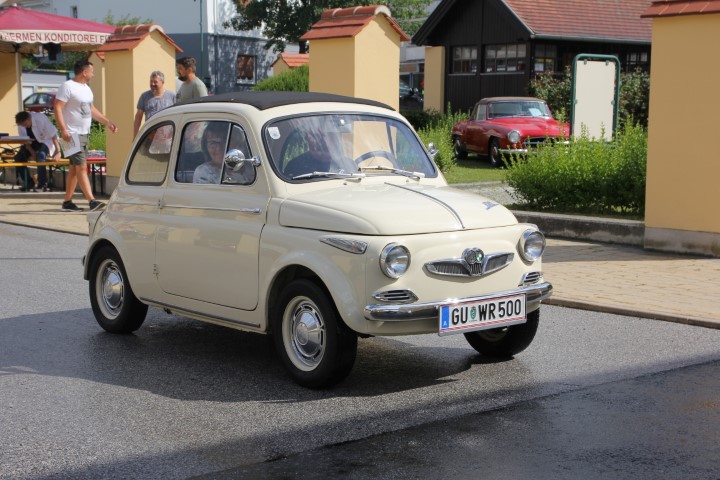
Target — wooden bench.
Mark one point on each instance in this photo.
(95, 165)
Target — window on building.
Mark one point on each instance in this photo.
(246, 69)
(74, 11)
(505, 58)
(464, 60)
(545, 58)
(635, 60)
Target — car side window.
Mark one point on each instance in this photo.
(202, 150)
(149, 162)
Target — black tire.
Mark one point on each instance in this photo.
(493, 154)
(114, 304)
(458, 149)
(505, 342)
(317, 349)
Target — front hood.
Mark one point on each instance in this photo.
(390, 209)
(534, 126)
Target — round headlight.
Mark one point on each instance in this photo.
(531, 245)
(394, 260)
(514, 136)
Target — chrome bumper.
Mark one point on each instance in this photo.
(509, 151)
(525, 151)
(534, 294)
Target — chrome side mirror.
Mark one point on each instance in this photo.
(432, 150)
(235, 160)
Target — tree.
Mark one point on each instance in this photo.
(126, 19)
(285, 21)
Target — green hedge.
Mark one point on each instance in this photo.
(436, 128)
(634, 95)
(587, 176)
(293, 80)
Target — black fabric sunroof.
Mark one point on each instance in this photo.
(265, 100)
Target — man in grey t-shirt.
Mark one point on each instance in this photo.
(192, 86)
(153, 100)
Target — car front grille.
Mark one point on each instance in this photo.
(534, 142)
(458, 267)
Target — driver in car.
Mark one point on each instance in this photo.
(213, 144)
(322, 155)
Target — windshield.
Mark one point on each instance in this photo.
(518, 109)
(316, 146)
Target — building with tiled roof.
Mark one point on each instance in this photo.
(494, 47)
(287, 61)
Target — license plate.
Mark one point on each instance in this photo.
(482, 314)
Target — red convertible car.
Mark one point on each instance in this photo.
(504, 125)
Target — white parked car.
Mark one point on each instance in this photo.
(312, 217)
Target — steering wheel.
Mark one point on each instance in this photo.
(374, 153)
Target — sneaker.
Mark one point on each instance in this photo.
(95, 205)
(69, 206)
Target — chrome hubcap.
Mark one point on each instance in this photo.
(112, 289)
(304, 334)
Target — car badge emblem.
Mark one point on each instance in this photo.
(473, 256)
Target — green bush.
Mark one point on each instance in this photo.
(634, 98)
(438, 130)
(587, 176)
(556, 90)
(420, 119)
(97, 139)
(634, 95)
(294, 80)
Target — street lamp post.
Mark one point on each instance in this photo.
(202, 49)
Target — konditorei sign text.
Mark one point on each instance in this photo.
(30, 36)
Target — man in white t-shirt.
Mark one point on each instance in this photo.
(74, 113)
(44, 143)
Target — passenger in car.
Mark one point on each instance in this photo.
(214, 141)
(320, 155)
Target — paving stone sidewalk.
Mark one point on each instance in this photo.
(587, 275)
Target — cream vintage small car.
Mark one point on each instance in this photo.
(315, 218)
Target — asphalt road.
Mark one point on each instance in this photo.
(182, 399)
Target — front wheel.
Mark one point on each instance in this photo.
(458, 149)
(494, 153)
(507, 341)
(113, 302)
(315, 346)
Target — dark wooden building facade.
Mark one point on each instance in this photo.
(494, 47)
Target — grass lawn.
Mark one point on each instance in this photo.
(474, 169)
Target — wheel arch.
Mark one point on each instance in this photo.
(92, 250)
(286, 276)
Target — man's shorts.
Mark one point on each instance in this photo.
(80, 158)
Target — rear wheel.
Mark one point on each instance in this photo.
(113, 302)
(458, 148)
(494, 155)
(507, 341)
(316, 347)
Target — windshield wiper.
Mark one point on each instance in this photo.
(328, 174)
(406, 173)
